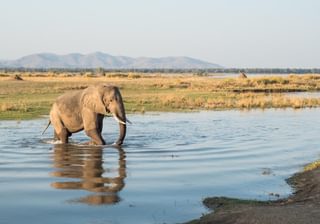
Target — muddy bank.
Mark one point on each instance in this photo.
(303, 207)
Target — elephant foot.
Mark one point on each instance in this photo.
(63, 135)
(118, 144)
(96, 137)
(91, 143)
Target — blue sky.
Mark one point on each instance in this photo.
(233, 33)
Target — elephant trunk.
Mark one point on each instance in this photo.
(120, 116)
(122, 135)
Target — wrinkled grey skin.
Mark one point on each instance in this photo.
(84, 110)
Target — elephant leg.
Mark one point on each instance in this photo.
(63, 135)
(92, 123)
(60, 131)
(95, 136)
(55, 136)
(100, 122)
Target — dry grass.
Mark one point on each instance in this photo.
(154, 92)
(312, 166)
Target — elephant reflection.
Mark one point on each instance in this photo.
(86, 164)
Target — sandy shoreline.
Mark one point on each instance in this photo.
(303, 207)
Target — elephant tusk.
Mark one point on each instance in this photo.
(117, 119)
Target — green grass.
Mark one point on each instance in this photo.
(33, 97)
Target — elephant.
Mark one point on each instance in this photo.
(84, 110)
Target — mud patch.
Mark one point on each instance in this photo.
(300, 208)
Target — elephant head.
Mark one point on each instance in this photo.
(104, 99)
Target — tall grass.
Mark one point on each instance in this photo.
(34, 96)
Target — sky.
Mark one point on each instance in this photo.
(232, 33)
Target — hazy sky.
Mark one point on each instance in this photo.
(233, 33)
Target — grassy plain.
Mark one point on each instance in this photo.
(34, 96)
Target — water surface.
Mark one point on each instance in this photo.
(169, 163)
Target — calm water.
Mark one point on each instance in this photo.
(169, 163)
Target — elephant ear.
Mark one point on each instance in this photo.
(92, 100)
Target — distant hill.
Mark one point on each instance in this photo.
(102, 60)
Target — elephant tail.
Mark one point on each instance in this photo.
(46, 127)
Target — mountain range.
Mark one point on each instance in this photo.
(106, 61)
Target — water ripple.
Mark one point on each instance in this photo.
(169, 162)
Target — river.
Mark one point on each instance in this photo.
(167, 165)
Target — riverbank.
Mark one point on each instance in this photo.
(301, 208)
(33, 94)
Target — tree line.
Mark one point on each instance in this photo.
(178, 71)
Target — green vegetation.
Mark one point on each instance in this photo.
(34, 96)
